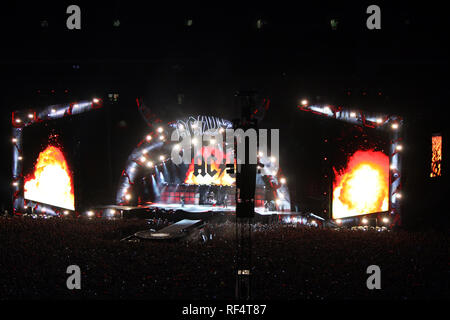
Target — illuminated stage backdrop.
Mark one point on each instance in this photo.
(149, 166)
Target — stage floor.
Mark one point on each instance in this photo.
(194, 208)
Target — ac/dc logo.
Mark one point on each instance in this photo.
(211, 167)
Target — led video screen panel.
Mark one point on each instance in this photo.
(436, 156)
(64, 162)
(360, 174)
(204, 170)
(51, 179)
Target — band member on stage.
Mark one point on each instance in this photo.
(211, 197)
(225, 200)
(182, 200)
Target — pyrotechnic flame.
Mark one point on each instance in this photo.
(363, 187)
(51, 181)
(220, 178)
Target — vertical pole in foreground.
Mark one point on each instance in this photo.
(243, 258)
(245, 196)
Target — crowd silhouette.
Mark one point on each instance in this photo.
(289, 262)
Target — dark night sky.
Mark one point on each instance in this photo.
(154, 55)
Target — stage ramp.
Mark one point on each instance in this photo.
(175, 231)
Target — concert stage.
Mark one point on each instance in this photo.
(193, 208)
(177, 212)
(261, 214)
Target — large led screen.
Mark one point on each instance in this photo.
(65, 162)
(362, 186)
(360, 170)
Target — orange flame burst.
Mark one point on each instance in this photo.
(51, 181)
(363, 187)
(221, 177)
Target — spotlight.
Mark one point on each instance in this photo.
(161, 157)
(278, 201)
(66, 212)
(304, 102)
(90, 213)
(160, 129)
(364, 221)
(15, 183)
(149, 164)
(281, 196)
(385, 220)
(95, 100)
(194, 141)
(53, 110)
(30, 115)
(148, 137)
(379, 120)
(398, 195)
(338, 221)
(143, 159)
(283, 180)
(112, 211)
(392, 167)
(75, 106)
(274, 172)
(260, 153)
(144, 151)
(353, 114)
(176, 147)
(161, 137)
(212, 141)
(14, 140)
(399, 147)
(273, 159)
(128, 196)
(221, 130)
(395, 126)
(18, 121)
(327, 109)
(20, 158)
(132, 169)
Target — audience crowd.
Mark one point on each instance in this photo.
(289, 262)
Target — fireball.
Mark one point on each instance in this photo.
(51, 181)
(363, 187)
